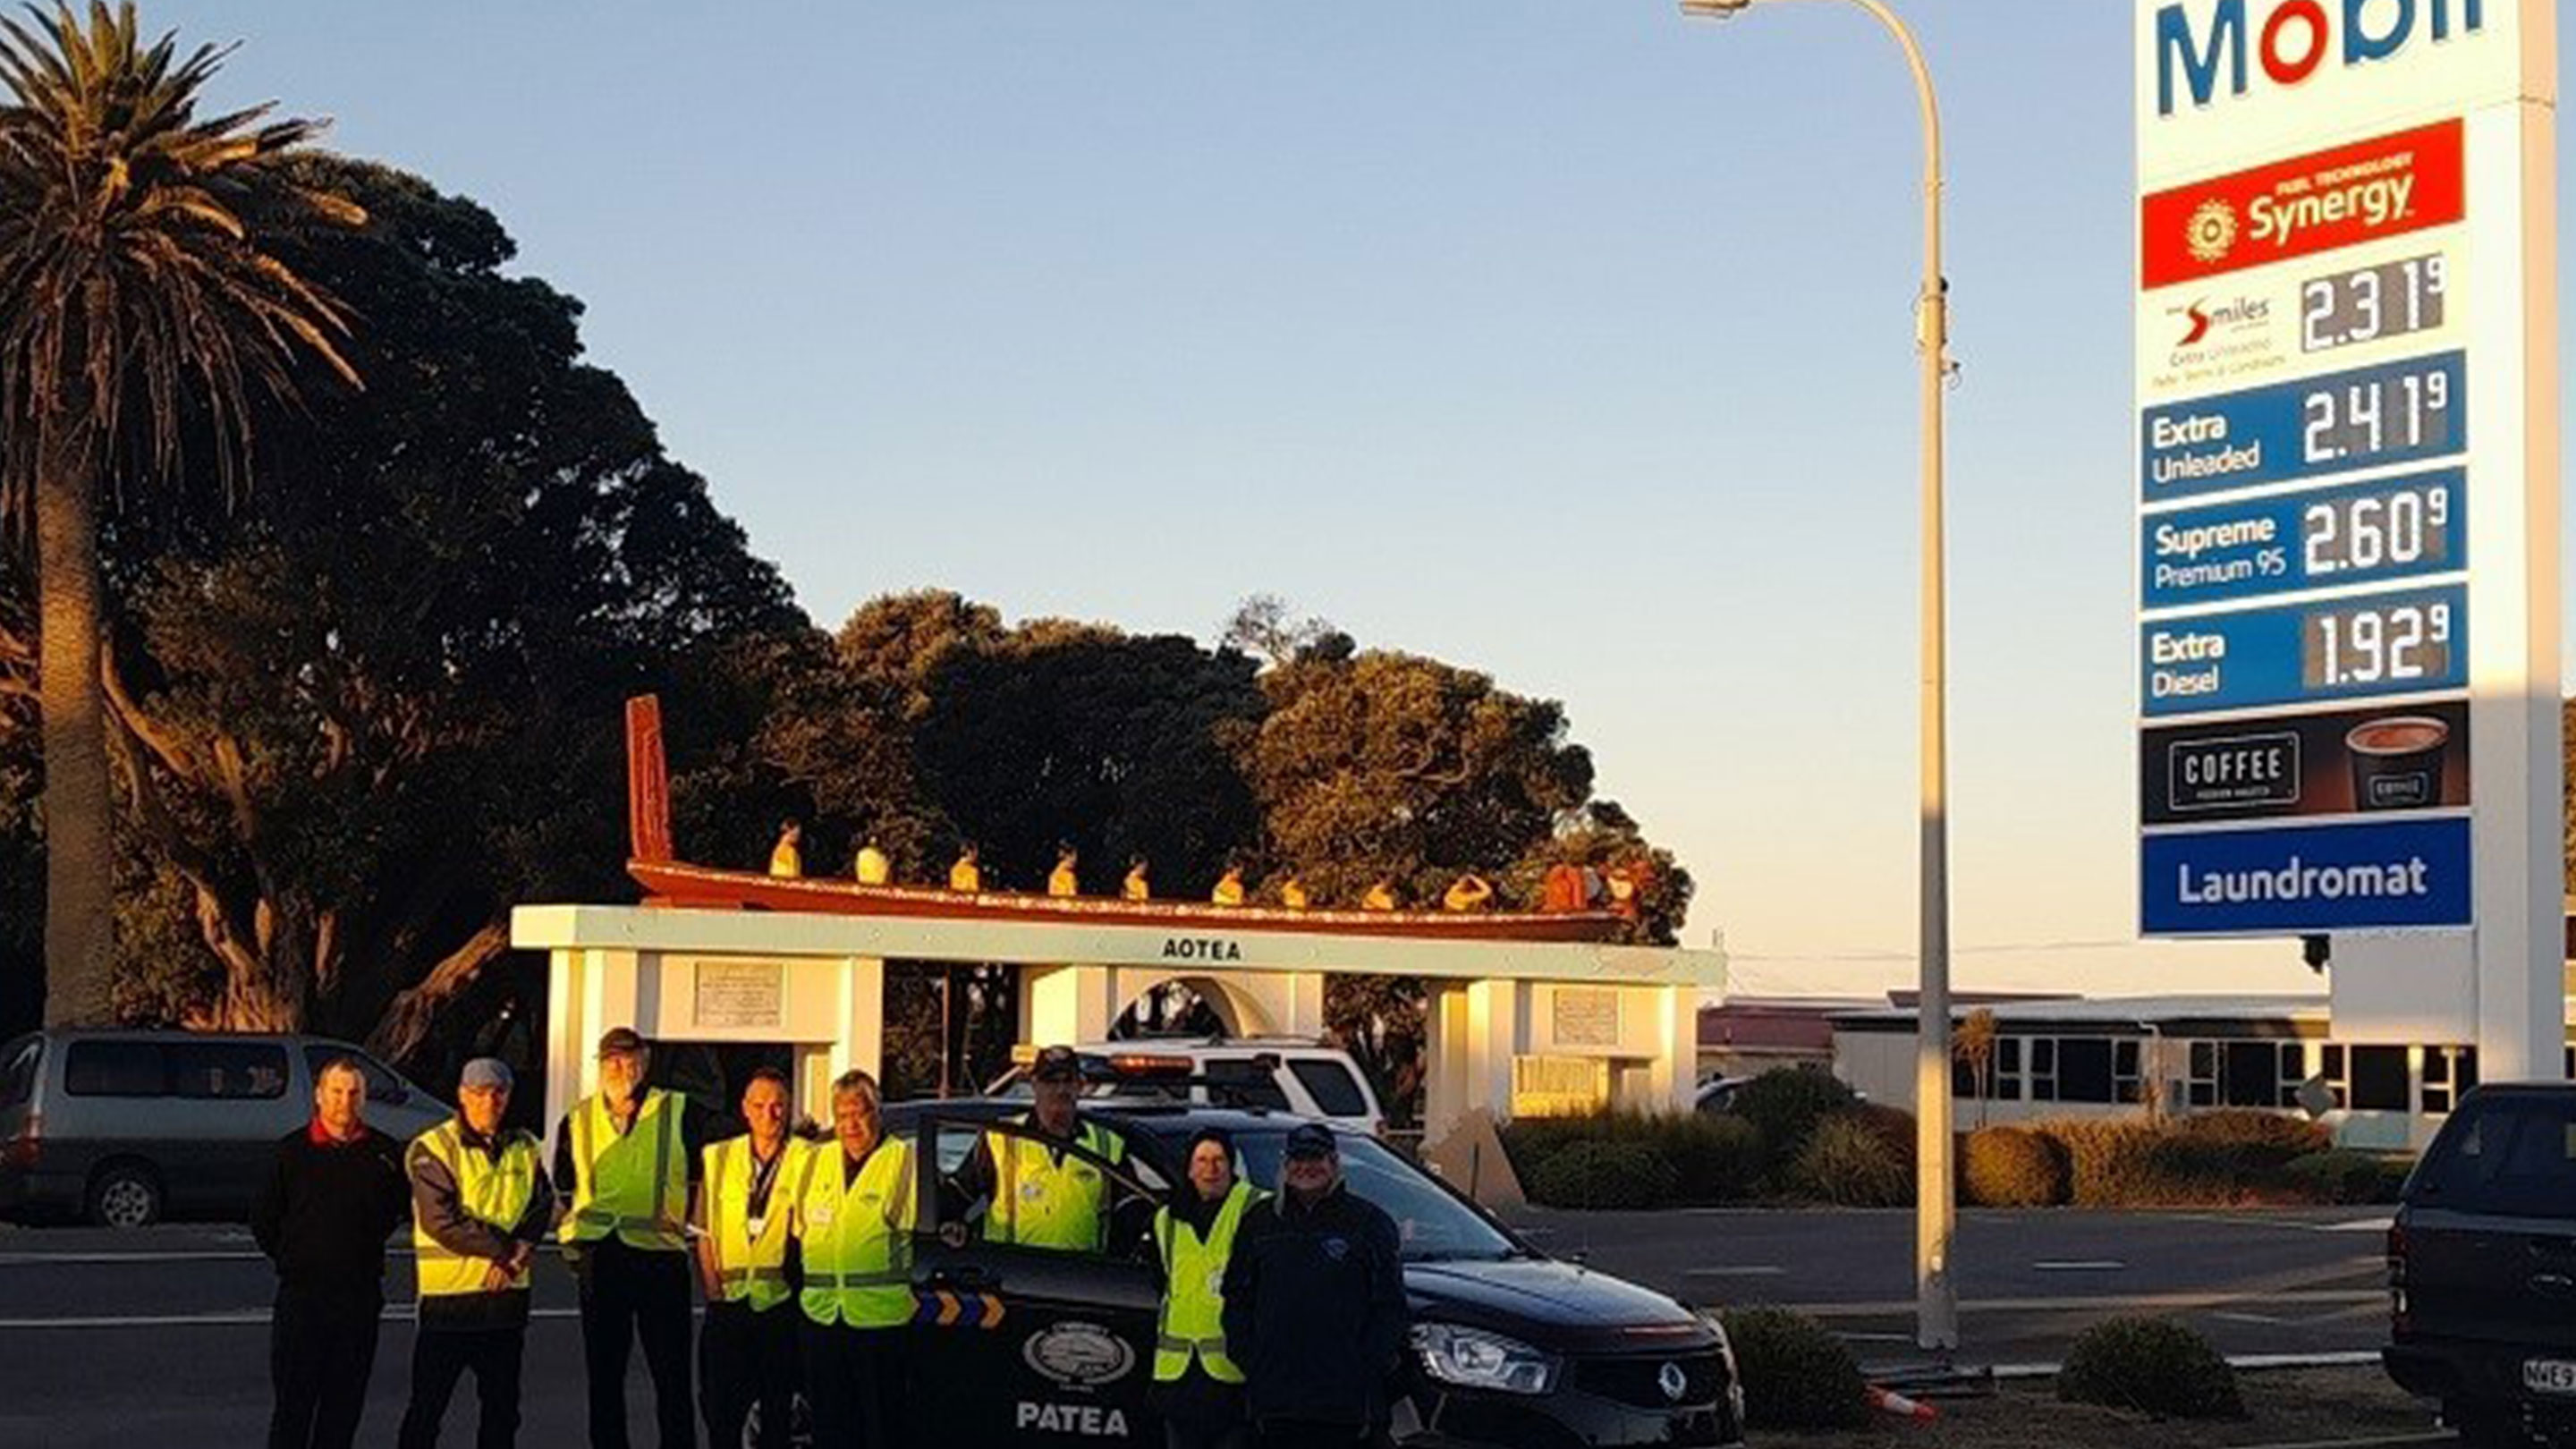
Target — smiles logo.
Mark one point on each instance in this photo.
(2211, 232)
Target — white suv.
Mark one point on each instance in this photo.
(1278, 1074)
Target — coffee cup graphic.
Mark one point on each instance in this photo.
(2397, 762)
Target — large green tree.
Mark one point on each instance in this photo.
(142, 298)
(365, 710)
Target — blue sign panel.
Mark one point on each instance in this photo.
(2401, 412)
(2306, 879)
(2400, 643)
(2360, 533)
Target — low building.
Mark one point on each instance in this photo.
(2109, 1056)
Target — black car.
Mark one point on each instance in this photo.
(2482, 1268)
(1512, 1349)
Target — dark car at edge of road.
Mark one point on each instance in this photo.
(2482, 1268)
(1511, 1349)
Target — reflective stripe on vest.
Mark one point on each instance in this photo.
(856, 1236)
(1193, 1321)
(634, 1184)
(749, 1267)
(1043, 1198)
(490, 1191)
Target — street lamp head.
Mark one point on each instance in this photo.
(1716, 9)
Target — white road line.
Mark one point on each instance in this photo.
(245, 1318)
(2079, 1303)
(2079, 1265)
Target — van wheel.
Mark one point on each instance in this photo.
(125, 1195)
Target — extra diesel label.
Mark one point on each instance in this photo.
(2389, 186)
(2402, 643)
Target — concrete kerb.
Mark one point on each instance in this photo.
(2242, 1363)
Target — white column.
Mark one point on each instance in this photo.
(1674, 1070)
(1304, 1015)
(1495, 1031)
(1066, 1004)
(1444, 1080)
(859, 1018)
(569, 1036)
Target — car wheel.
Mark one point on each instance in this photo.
(125, 1195)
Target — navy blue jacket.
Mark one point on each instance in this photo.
(1315, 1310)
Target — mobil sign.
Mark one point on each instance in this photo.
(2240, 77)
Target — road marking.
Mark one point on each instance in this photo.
(2262, 1318)
(1748, 1270)
(244, 1318)
(2360, 1225)
(2079, 1265)
(2080, 1302)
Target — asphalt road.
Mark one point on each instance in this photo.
(2257, 1283)
(114, 1340)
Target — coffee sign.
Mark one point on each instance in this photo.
(2341, 208)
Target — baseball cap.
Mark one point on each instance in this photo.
(1311, 1140)
(486, 1072)
(1056, 1064)
(620, 1041)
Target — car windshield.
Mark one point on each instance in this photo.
(1435, 1226)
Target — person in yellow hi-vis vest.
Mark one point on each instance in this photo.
(625, 1158)
(747, 1340)
(1041, 1195)
(1198, 1387)
(480, 1205)
(855, 1204)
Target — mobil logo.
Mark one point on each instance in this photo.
(2286, 42)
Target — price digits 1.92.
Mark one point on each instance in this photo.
(2400, 528)
(2371, 303)
(2378, 644)
(2402, 411)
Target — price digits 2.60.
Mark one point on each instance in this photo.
(2407, 527)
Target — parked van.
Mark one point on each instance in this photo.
(125, 1127)
(1274, 1074)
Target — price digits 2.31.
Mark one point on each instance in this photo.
(2371, 303)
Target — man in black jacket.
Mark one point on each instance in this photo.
(1314, 1303)
(334, 1195)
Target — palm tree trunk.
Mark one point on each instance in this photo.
(80, 855)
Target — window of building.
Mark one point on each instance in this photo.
(2379, 1079)
(2043, 1069)
(2448, 1072)
(2084, 1070)
(2293, 1072)
(2249, 1074)
(2124, 1070)
(2331, 1067)
(2201, 1077)
(2008, 1069)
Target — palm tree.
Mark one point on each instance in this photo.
(139, 300)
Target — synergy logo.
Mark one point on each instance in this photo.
(2308, 204)
(2294, 41)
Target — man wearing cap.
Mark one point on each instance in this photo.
(625, 1160)
(480, 1205)
(1198, 1387)
(1042, 1195)
(747, 1341)
(334, 1195)
(1314, 1303)
(855, 1203)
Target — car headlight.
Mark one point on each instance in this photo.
(1473, 1359)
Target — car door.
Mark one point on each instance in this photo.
(1020, 1346)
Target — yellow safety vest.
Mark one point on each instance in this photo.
(749, 1265)
(1044, 1198)
(491, 1191)
(856, 1235)
(635, 1185)
(1194, 1290)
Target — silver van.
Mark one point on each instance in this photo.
(124, 1127)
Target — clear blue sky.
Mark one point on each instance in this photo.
(1567, 341)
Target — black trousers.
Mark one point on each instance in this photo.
(320, 1355)
(441, 1356)
(845, 1381)
(1293, 1434)
(1202, 1436)
(629, 1294)
(747, 1357)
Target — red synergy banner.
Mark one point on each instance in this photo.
(2383, 187)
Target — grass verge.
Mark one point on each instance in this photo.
(2283, 1406)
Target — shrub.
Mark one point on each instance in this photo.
(1796, 1374)
(2131, 1163)
(1714, 1159)
(2010, 1167)
(2153, 1365)
(1785, 1104)
(2341, 1176)
(1531, 1141)
(2261, 1139)
(1603, 1175)
(1847, 1162)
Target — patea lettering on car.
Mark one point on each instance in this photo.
(1093, 1421)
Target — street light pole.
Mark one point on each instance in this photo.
(1936, 1302)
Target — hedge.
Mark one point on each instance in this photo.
(1785, 1104)
(1714, 1159)
(2011, 1167)
(1796, 1373)
(2152, 1365)
(1604, 1175)
(1847, 1161)
(2342, 1177)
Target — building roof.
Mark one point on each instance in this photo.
(2127, 1015)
